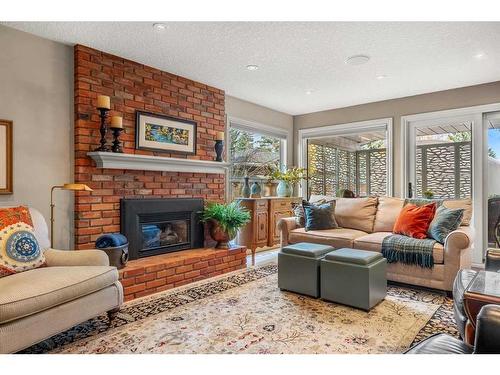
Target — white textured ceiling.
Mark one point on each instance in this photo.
(294, 57)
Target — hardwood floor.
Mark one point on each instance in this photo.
(264, 257)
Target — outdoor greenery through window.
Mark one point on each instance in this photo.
(252, 154)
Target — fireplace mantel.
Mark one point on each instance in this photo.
(111, 160)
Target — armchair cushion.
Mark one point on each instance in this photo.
(19, 247)
(66, 258)
(30, 292)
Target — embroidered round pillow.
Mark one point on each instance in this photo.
(19, 249)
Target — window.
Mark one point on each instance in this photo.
(354, 157)
(255, 154)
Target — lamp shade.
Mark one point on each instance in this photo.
(76, 187)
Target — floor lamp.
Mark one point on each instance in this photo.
(74, 187)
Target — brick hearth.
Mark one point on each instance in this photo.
(158, 273)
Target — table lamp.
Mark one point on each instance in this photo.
(74, 187)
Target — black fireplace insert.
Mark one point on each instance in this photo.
(158, 226)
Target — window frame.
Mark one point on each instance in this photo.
(345, 129)
(256, 128)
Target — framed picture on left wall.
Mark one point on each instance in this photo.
(6, 157)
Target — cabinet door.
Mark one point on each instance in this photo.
(261, 227)
(274, 235)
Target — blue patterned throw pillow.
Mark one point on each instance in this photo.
(319, 217)
(19, 248)
(445, 221)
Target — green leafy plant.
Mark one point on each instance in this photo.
(291, 175)
(428, 194)
(230, 217)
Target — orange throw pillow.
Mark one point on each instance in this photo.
(413, 221)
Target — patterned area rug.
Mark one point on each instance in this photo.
(245, 312)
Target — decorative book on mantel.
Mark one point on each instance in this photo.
(156, 163)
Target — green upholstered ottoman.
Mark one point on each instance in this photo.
(354, 277)
(298, 267)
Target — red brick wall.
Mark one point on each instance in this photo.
(133, 86)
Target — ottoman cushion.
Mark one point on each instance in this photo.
(353, 277)
(305, 249)
(353, 256)
(298, 267)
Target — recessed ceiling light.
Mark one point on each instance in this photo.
(309, 92)
(480, 56)
(357, 59)
(381, 76)
(159, 27)
(252, 67)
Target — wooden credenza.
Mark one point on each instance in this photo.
(265, 213)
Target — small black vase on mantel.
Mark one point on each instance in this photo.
(219, 145)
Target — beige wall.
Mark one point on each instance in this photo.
(395, 108)
(255, 113)
(36, 93)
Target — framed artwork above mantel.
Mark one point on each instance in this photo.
(6, 170)
(157, 132)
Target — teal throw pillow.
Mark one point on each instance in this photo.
(319, 217)
(445, 221)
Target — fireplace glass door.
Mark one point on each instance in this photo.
(164, 235)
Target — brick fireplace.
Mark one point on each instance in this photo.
(133, 86)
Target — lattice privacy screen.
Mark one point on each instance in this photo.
(443, 168)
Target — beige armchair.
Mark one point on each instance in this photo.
(74, 287)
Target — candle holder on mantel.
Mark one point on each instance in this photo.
(117, 128)
(219, 145)
(103, 105)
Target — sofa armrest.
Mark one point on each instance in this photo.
(285, 226)
(65, 258)
(457, 254)
(459, 239)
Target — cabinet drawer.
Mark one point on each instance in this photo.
(261, 205)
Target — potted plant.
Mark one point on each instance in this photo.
(428, 194)
(224, 221)
(288, 178)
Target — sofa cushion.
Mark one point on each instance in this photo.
(414, 221)
(356, 213)
(373, 242)
(319, 217)
(388, 210)
(466, 204)
(445, 221)
(340, 237)
(30, 292)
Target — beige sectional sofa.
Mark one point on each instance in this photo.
(365, 222)
(73, 287)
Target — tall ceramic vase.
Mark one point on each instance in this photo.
(284, 189)
(245, 190)
(255, 190)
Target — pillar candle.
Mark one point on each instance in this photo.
(116, 122)
(103, 102)
(219, 136)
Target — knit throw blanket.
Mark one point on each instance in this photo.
(408, 250)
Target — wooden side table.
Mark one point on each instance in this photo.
(484, 289)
